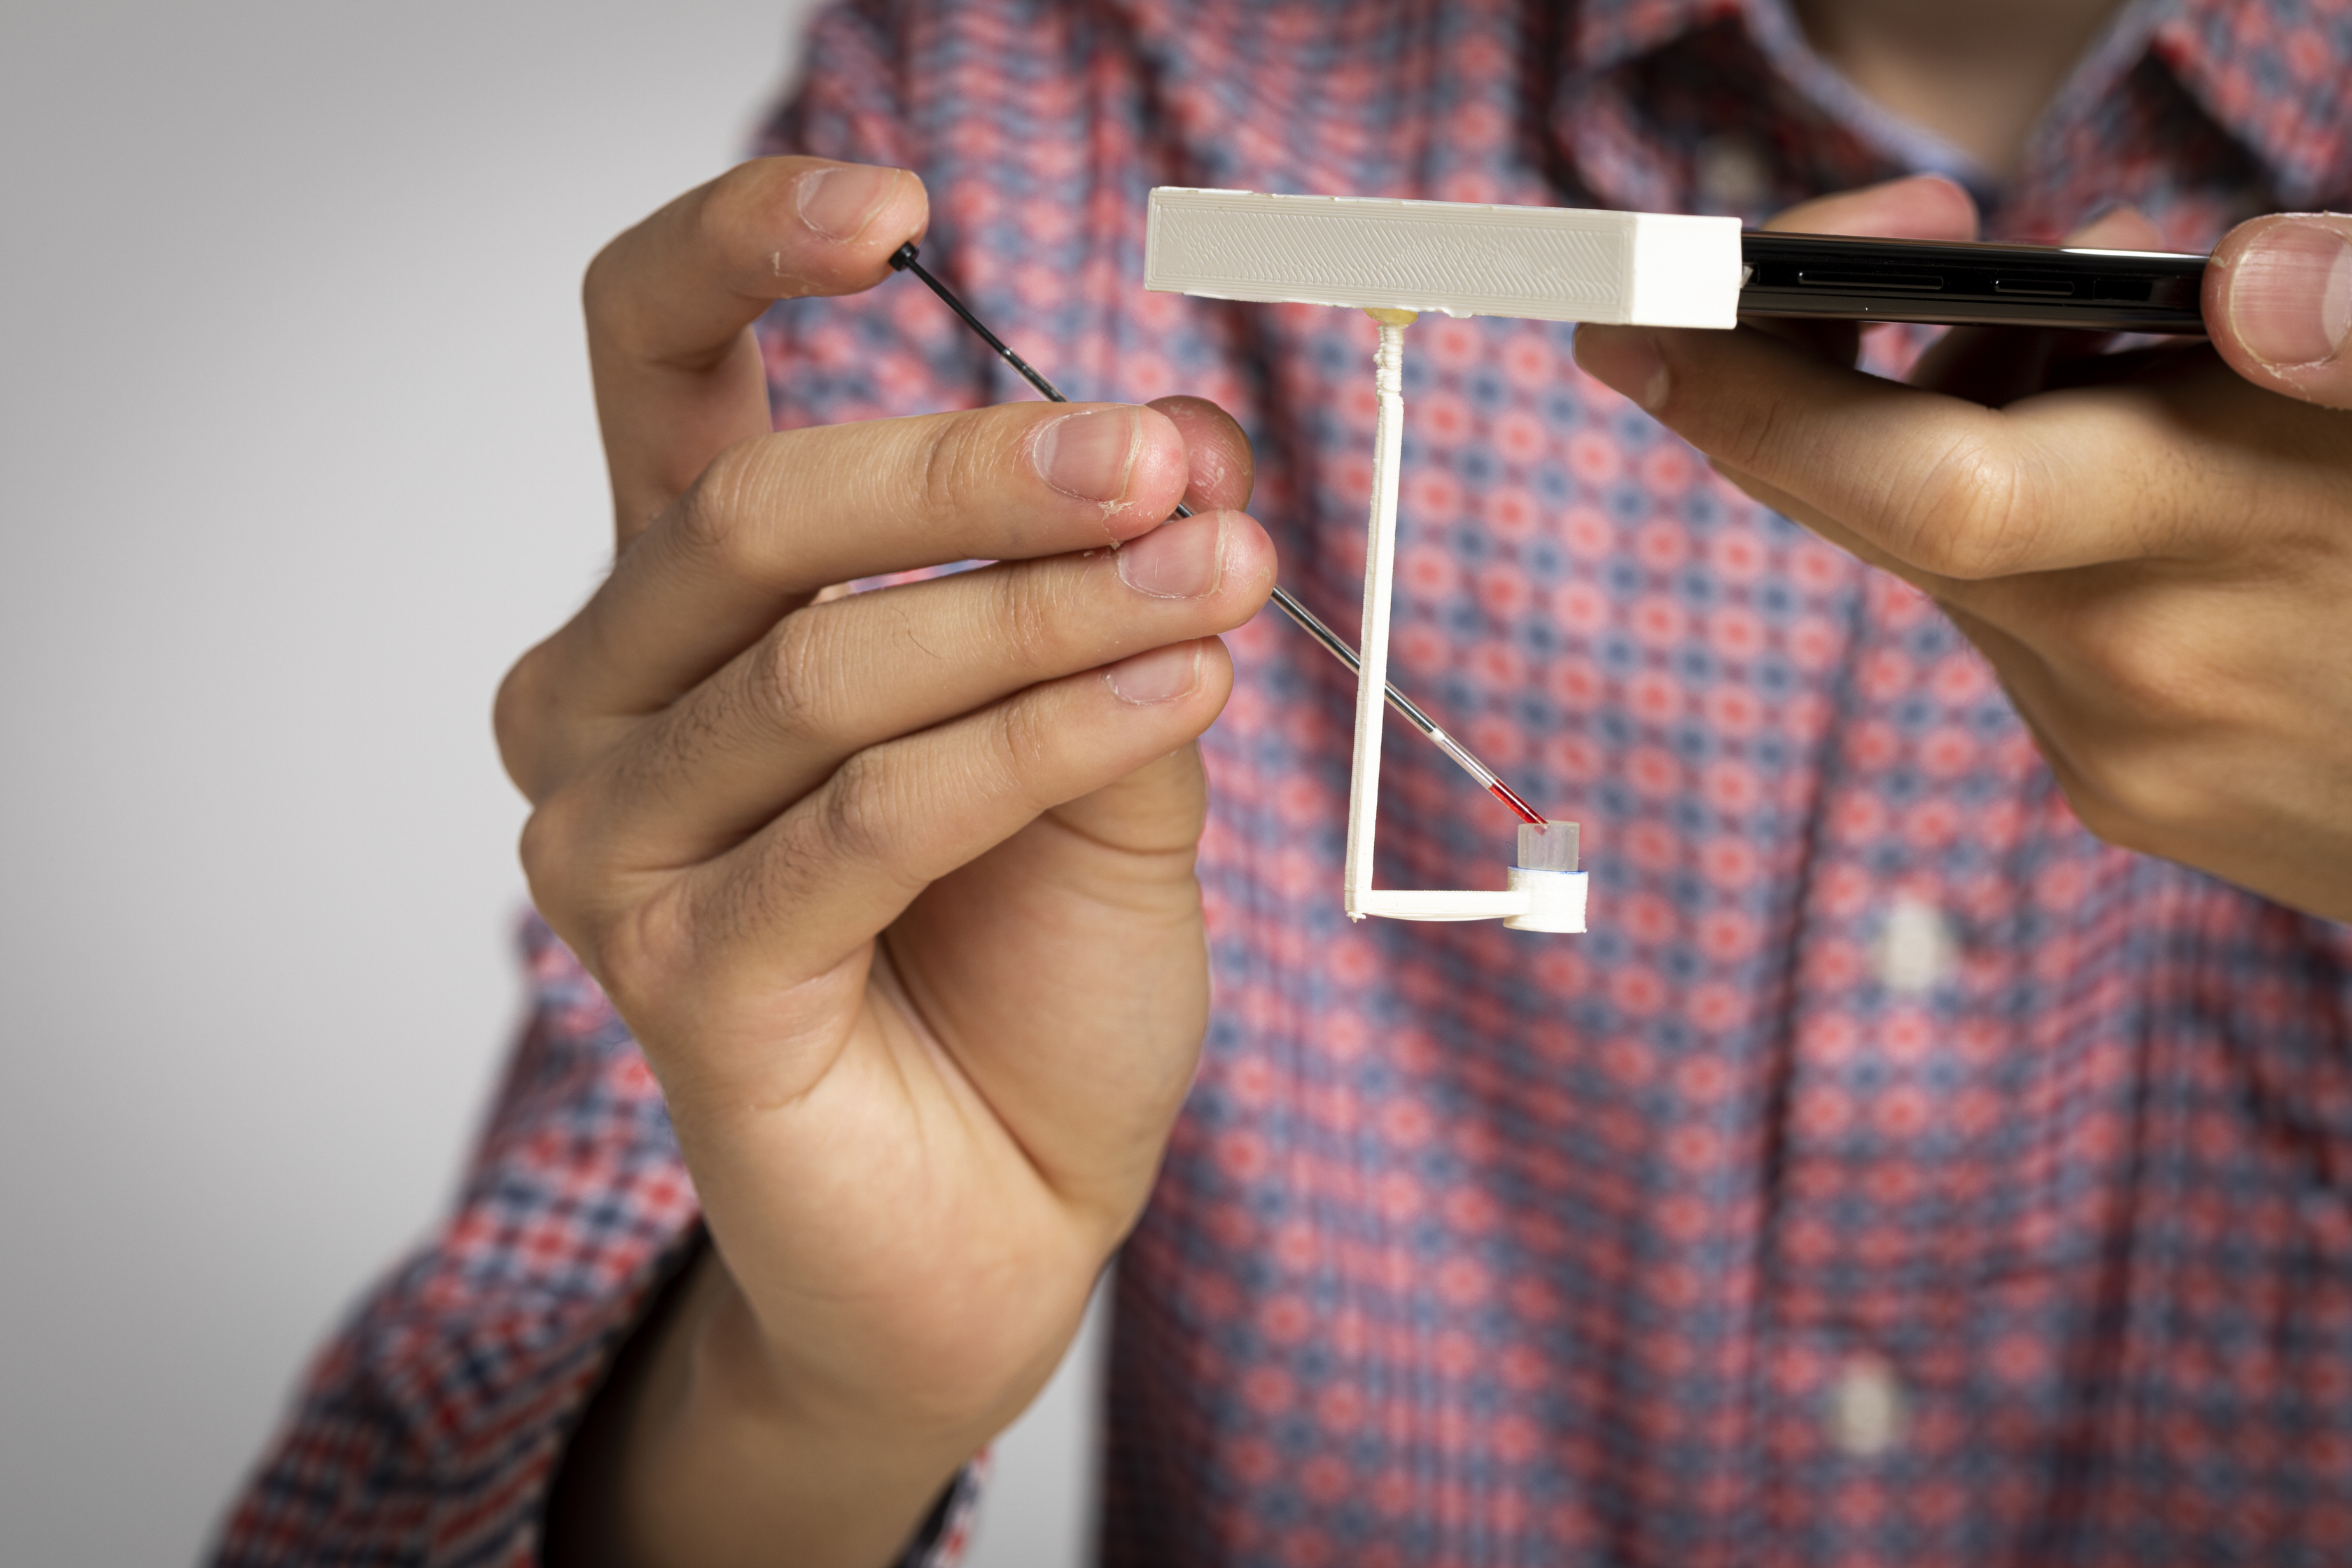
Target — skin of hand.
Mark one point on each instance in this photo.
(2153, 549)
(895, 888)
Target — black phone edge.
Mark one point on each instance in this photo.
(1952, 283)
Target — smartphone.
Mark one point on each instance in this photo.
(1955, 283)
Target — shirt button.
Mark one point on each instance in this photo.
(1916, 951)
(1865, 1408)
(1731, 173)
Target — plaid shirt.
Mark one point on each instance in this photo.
(1895, 1174)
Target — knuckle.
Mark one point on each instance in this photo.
(2155, 763)
(549, 849)
(2142, 804)
(2151, 673)
(1968, 515)
(629, 936)
(640, 954)
(2150, 794)
(1024, 749)
(643, 772)
(859, 810)
(601, 288)
(723, 205)
(2163, 786)
(957, 464)
(2102, 816)
(788, 690)
(519, 719)
(1032, 615)
(1754, 434)
(714, 522)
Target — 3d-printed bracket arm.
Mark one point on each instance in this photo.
(1380, 574)
(1540, 897)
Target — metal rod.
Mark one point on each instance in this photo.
(903, 259)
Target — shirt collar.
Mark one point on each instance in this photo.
(1606, 34)
(1610, 33)
(2278, 78)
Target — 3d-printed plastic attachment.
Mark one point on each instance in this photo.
(1464, 258)
(1393, 258)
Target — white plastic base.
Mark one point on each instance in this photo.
(1536, 900)
(1555, 899)
(1390, 904)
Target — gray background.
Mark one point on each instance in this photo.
(298, 454)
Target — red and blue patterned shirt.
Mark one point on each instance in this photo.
(1895, 1174)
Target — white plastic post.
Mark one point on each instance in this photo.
(1380, 572)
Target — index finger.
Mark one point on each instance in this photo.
(671, 302)
(1918, 481)
(1941, 485)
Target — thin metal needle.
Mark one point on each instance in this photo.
(903, 259)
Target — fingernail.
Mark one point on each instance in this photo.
(1626, 360)
(1160, 676)
(2290, 296)
(839, 202)
(1088, 454)
(1178, 560)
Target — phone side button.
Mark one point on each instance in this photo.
(1910, 282)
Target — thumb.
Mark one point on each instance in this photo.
(2278, 301)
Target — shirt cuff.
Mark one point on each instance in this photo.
(438, 1425)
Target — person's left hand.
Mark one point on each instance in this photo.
(2153, 550)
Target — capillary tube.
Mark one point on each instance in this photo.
(904, 260)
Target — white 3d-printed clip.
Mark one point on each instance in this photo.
(1392, 260)
(1463, 258)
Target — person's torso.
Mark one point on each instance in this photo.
(1894, 1170)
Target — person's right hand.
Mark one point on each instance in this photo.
(895, 888)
